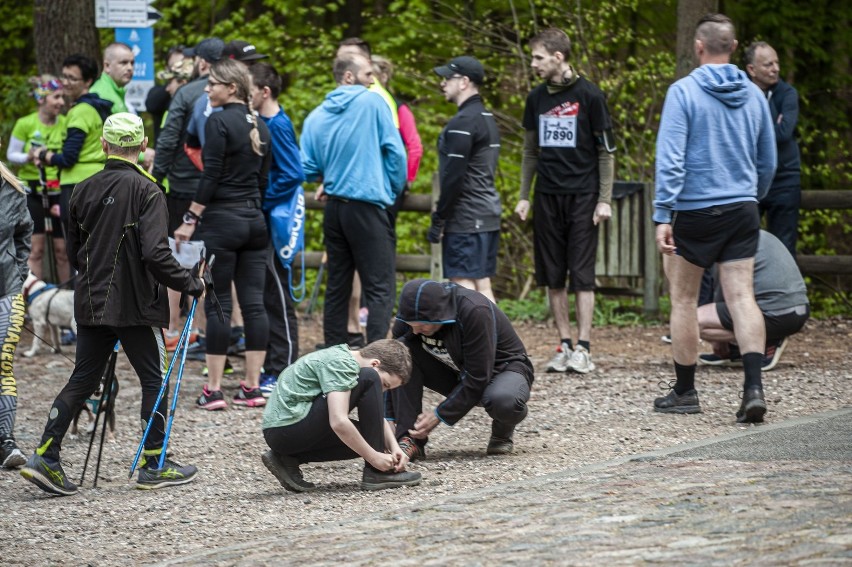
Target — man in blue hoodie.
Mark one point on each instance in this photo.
(715, 159)
(351, 145)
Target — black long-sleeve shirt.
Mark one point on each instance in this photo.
(232, 171)
(468, 149)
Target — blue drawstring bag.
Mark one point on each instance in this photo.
(288, 237)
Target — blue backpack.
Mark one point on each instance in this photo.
(287, 220)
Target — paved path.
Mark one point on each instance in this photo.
(775, 494)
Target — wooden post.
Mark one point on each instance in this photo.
(651, 300)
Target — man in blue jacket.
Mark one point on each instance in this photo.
(351, 145)
(781, 203)
(715, 160)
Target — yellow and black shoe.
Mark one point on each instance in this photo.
(47, 474)
(172, 473)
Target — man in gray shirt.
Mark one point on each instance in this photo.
(781, 296)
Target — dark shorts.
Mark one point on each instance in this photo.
(779, 324)
(37, 212)
(471, 255)
(717, 234)
(565, 238)
(177, 206)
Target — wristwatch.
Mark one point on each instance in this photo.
(190, 218)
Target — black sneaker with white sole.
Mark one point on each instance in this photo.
(11, 456)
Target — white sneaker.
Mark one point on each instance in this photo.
(581, 361)
(559, 363)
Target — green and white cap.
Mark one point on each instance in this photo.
(124, 129)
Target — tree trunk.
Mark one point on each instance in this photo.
(63, 28)
(688, 14)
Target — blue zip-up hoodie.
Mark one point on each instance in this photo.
(350, 143)
(716, 143)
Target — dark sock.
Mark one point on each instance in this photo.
(569, 343)
(585, 344)
(685, 378)
(752, 361)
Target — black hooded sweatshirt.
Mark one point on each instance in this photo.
(475, 334)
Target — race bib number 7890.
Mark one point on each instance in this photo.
(557, 131)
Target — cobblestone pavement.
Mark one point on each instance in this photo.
(775, 494)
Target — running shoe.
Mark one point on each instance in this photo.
(267, 384)
(772, 354)
(171, 338)
(677, 403)
(48, 475)
(10, 456)
(559, 363)
(249, 397)
(211, 400)
(173, 473)
(410, 447)
(581, 361)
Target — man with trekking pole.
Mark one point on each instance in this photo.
(117, 241)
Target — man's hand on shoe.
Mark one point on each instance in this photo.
(426, 422)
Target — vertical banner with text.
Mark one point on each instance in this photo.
(141, 42)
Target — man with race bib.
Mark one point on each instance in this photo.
(568, 148)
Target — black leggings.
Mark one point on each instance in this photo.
(11, 325)
(146, 351)
(312, 439)
(239, 239)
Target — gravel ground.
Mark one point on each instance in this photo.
(574, 420)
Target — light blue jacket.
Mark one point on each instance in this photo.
(350, 143)
(716, 143)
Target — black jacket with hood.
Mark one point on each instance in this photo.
(478, 337)
(117, 241)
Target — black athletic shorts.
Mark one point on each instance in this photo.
(565, 238)
(779, 324)
(470, 255)
(717, 234)
(36, 208)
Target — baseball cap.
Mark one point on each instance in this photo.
(209, 49)
(465, 65)
(124, 129)
(181, 71)
(241, 51)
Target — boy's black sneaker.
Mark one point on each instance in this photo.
(286, 470)
(675, 403)
(377, 480)
(10, 456)
(48, 475)
(172, 473)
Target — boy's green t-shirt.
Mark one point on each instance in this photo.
(29, 130)
(333, 369)
(84, 117)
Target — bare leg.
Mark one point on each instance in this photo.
(737, 279)
(710, 327)
(63, 268)
(36, 259)
(254, 362)
(684, 282)
(585, 314)
(215, 370)
(174, 310)
(482, 285)
(559, 307)
(236, 312)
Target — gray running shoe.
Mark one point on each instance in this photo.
(674, 403)
(377, 480)
(559, 363)
(171, 474)
(48, 475)
(581, 361)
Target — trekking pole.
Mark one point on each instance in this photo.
(106, 397)
(184, 335)
(50, 252)
(111, 386)
(173, 406)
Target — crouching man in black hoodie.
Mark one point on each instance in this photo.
(464, 347)
(118, 243)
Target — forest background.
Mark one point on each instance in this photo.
(627, 47)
